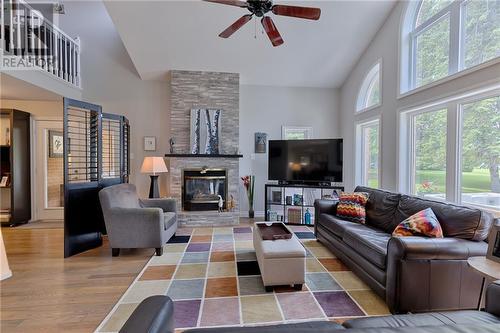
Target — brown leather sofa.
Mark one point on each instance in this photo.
(155, 314)
(413, 274)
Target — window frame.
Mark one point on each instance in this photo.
(454, 106)
(406, 44)
(360, 149)
(365, 88)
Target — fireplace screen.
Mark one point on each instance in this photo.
(203, 189)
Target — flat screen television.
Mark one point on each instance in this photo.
(297, 161)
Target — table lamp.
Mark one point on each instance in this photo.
(154, 166)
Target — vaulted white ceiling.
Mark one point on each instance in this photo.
(164, 35)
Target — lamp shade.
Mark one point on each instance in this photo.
(153, 165)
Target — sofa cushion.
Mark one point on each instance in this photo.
(351, 206)
(456, 221)
(338, 226)
(423, 223)
(424, 319)
(169, 219)
(380, 208)
(370, 243)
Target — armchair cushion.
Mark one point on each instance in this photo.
(167, 204)
(169, 219)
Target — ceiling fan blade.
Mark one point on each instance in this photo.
(295, 11)
(236, 26)
(236, 3)
(272, 31)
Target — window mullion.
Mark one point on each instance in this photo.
(452, 153)
(454, 51)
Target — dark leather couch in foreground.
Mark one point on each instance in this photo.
(413, 274)
(155, 315)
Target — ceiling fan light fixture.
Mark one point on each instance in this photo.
(260, 8)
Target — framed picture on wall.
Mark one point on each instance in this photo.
(150, 143)
(56, 141)
(260, 143)
(296, 133)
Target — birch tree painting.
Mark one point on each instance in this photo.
(195, 146)
(207, 136)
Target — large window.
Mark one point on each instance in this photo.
(369, 93)
(443, 37)
(429, 154)
(451, 150)
(480, 153)
(368, 153)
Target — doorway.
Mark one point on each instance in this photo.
(49, 170)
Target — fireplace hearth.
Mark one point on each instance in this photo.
(203, 188)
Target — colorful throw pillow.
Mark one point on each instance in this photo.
(423, 223)
(351, 206)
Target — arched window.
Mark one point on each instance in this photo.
(443, 37)
(370, 92)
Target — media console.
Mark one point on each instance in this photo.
(288, 203)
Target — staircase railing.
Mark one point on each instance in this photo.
(26, 35)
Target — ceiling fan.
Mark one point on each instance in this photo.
(260, 8)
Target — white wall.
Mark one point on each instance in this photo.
(385, 46)
(266, 109)
(110, 80)
(52, 109)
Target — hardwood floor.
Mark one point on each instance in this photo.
(48, 293)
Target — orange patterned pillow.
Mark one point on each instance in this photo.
(423, 223)
(351, 206)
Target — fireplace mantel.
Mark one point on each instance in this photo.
(205, 155)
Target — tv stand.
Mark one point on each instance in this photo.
(288, 202)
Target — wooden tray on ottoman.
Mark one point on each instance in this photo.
(274, 231)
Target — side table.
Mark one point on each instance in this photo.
(488, 269)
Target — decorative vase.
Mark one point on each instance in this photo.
(251, 213)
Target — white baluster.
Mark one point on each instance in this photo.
(18, 29)
(56, 53)
(70, 79)
(11, 26)
(2, 23)
(79, 82)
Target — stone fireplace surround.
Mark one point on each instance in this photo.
(190, 89)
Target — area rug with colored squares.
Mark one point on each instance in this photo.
(214, 279)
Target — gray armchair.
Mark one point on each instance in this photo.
(136, 223)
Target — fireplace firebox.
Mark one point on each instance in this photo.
(201, 189)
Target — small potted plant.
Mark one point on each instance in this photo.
(249, 183)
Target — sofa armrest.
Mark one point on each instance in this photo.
(325, 207)
(429, 274)
(423, 248)
(155, 314)
(167, 204)
(135, 227)
(493, 298)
